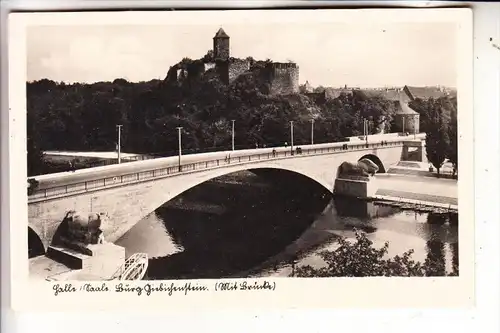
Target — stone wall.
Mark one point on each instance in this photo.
(356, 188)
(236, 68)
(414, 151)
(222, 68)
(284, 79)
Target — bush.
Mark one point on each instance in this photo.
(360, 258)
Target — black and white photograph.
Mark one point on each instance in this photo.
(226, 149)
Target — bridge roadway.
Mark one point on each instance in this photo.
(73, 182)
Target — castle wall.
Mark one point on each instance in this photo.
(236, 68)
(222, 68)
(284, 79)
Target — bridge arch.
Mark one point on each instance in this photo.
(279, 173)
(286, 176)
(35, 244)
(375, 159)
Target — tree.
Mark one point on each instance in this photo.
(452, 153)
(437, 139)
(360, 258)
(35, 155)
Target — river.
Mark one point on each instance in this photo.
(246, 226)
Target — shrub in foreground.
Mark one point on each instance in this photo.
(360, 258)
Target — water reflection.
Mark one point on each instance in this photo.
(254, 228)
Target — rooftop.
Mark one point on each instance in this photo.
(221, 34)
(403, 108)
(430, 92)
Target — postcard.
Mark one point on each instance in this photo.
(236, 159)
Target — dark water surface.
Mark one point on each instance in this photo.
(245, 225)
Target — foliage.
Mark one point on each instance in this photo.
(453, 137)
(84, 116)
(34, 152)
(360, 258)
(438, 118)
(437, 141)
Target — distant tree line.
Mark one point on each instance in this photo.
(83, 117)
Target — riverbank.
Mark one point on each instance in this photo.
(421, 169)
(421, 193)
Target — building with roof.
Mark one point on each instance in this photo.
(405, 94)
(428, 92)
(406, 119)
(391, 94)
(307, 88)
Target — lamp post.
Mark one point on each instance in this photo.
(119, 142)
(312, 131)
(232, 134)
(366, 130)
(291, 136)
(179, 129)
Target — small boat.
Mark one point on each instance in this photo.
(134, 268)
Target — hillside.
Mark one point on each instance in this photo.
(83, 117)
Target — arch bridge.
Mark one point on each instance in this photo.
(130, 191)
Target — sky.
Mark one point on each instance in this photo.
(328, 54)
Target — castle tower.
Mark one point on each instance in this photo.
(221, 46)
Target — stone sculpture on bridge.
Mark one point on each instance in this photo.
(77, 231)
(32, 185)
(369, 166)
(363, 168)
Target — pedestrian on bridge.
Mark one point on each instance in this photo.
(71, 166)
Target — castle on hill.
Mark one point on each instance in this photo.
(283, 77)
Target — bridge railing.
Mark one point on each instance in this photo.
(90, 185)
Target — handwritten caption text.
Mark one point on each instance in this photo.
(169, 288)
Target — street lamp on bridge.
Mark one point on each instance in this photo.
(179, 129)
(232, 134)
(365, 130)
(119, 148)
(291, 135)
(312, 131)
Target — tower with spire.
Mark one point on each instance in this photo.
(221, 46)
